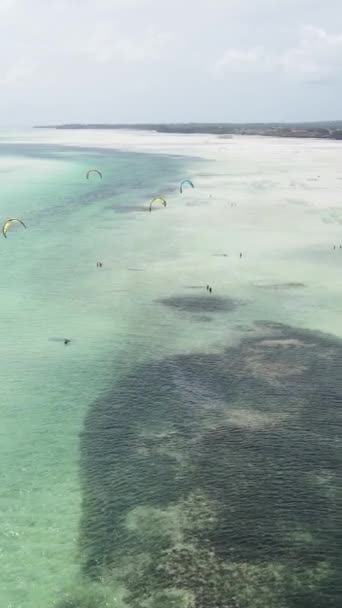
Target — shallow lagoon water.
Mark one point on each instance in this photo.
(164, 407)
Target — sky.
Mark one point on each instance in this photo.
(169, 61)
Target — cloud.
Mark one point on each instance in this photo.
(89, 61)
(18, 73)
(6, 6)
(243, 61)
(317, 57)
(106, 44)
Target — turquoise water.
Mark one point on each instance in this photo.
(51, 289)
(184, 450)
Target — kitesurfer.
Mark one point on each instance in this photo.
(157, 199)
(9, 223)
(93, 171)
(185, 181)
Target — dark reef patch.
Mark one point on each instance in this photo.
(201, 304)
(215, 479)
(194, 286)
(290, 285)
(124, 208)
(204, 318)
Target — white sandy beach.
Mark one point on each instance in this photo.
(288, 216)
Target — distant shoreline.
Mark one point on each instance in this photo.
(318, 130)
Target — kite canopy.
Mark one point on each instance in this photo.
(94, 171)
(8, 224)
(185, 181)
(158, 199)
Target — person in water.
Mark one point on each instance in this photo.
(66, 341)
(240, 255)
(210, 289)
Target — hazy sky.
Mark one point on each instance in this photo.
(169, 60)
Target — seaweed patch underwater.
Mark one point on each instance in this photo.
(214, 479)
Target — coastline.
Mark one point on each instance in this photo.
(331, 130)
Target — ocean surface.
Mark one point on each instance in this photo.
(184, 449)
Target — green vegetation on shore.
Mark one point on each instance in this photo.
(320, 130)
